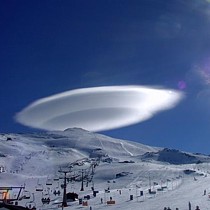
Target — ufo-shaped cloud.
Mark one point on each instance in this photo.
(98, 108)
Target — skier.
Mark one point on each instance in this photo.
(197, 208)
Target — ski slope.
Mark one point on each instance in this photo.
(124, 171)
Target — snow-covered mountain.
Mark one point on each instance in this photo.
(107, 163)
(174, 156)
(24, 152)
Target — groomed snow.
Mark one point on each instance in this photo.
(33, 159)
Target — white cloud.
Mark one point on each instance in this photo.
(98, 108)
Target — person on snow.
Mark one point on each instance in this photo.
(189, 206)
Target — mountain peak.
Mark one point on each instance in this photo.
(75, 129)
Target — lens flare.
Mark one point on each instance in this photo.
(182, 85)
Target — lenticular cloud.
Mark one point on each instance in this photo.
(98, 108)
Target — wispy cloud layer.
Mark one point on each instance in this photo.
(98, 108)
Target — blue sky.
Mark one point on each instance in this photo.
(48, 47)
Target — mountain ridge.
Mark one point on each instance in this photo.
(72, 144)
(37, 159)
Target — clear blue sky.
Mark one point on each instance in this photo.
(48, 47)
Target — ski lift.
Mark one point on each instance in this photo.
(26, 194)
(39, 187)
(31, 204)
(49, 181)
(57, 191)
(56, 178)
(45, 198)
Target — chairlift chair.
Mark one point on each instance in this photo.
(31, 204)
(26, 194)
(45, 198)
(61, 177)
(57, 191)
(56, 178)
(49, 181)
(39, 187)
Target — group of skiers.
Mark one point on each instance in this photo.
(190, 208)
(189, 205)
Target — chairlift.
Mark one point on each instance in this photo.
(39, 187)
(57, 191)
(49, 181)
(45, 198)
(56, 178)
(31, 204)
(61, 177)
(26, 194)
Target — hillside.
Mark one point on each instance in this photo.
(23, 151)
(106, 163)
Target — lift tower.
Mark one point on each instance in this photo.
(64, 203)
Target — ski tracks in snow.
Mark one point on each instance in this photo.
(131, 154)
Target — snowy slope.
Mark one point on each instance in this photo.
(174, 157)
(125, 168)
